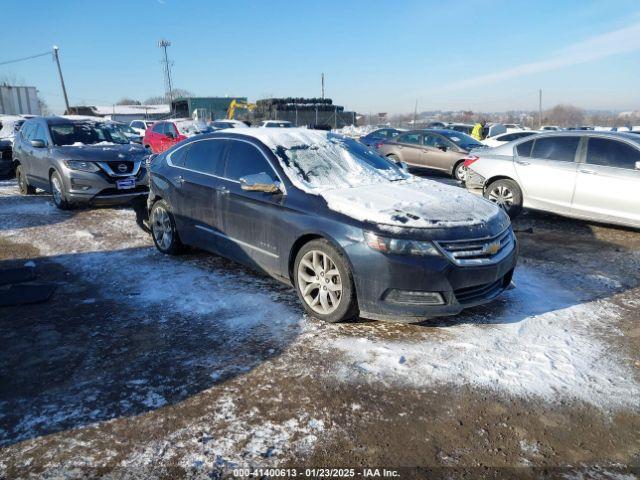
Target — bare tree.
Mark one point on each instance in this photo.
(128, 101)
(564, 116)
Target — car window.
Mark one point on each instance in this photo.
(178, 156)
(612, 153)
(205, 156)
(158, 128)
(413, 138)
(507, 137)
(524, 149)
(436, 141)
(170, 128)
(40, 134)
(27, 130)
(245, 159)
(561, 149)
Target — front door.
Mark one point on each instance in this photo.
(252, 221)
(439, 153)
(546, 170)
(607, 182)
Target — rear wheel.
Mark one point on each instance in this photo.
(460, 171)
(23, 184)
(163, 229)
(58, 192)
(324, 282)
(506, 194)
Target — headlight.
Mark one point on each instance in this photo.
(81, 166)
(400, 246)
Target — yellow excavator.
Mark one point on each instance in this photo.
(231, 111)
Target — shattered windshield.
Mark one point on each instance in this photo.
(85, 133)
(336, 162)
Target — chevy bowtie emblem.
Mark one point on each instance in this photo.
(492, 248)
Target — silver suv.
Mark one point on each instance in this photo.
(79, 162)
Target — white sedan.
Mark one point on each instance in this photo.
(507, 137)
(581, 174)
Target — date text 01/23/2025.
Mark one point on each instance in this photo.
(315, 473)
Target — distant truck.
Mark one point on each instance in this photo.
(19, 101)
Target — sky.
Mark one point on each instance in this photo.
(377, 56)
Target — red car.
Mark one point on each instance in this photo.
(161, 136)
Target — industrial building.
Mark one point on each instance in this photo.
(123, 113)
(19, 100)
(208, 108)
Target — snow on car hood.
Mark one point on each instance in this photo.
(414, 203)
(103, 151)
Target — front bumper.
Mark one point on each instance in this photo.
(101, 189)
(459, 286)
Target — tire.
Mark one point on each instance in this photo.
(163, 229)
(23, 185)
(58, 192)
(334, 299)
(506, 194)
(459, 172)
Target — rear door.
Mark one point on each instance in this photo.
(439, 153)
(608, 182)
(198, 182)
(546, 170)
(252, 222)
(409, 146)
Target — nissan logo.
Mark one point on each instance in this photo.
(123, 167)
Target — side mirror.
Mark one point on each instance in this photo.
(170, 135)
(442, 147)
(637, 165)
(260, 182)
(37, 143)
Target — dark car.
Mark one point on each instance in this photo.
(352, 231)
(378, 136)
(6, 158)
(79, 162)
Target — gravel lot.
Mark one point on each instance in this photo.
(148, 366)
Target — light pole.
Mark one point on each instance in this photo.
(64, 89)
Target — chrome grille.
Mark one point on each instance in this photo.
(483, 251)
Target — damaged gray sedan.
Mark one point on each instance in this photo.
(352, 232)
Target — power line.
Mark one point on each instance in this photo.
(25, 58)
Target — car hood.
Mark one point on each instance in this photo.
(101, 152)
(416, 204)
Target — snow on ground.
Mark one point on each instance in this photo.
(539, 340)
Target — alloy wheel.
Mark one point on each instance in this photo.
(461, 172)
(319, 282)
(162, 229)
(56, 190)
(502, 196)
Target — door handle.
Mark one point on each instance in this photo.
(180, 179)
(589, 172)
(400, 147)
(223, 190)
(522, 162)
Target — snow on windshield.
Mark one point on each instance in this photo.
(323, 162)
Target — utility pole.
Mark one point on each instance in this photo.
(540, 109)
(168, 89)
(322, 80)
(64, 89)
(415, 114)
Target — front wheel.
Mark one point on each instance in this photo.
(163, 229)
(324, 282)
(506, 194)
(58, 192)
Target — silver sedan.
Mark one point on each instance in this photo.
(588, 175)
